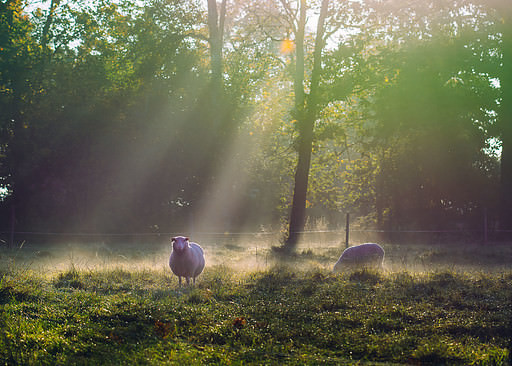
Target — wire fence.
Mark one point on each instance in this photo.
(348, 237)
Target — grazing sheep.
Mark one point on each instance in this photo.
(187, 259)
(364, 255)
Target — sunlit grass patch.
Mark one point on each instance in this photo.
(288, 312)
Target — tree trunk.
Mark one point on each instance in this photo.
(307, 110)
(298, 212)
(47, 25)
(216, 108)
(216, 30)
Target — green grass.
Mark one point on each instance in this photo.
(71, 311)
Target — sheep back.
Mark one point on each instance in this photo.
(364, 255)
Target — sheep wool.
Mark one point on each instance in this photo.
(364, 255)
(187, 259)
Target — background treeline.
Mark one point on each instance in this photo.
(123, 117)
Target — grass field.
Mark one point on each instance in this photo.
(106, 304)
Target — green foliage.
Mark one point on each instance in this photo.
(427, 101)
(431, 144)
(95, 102)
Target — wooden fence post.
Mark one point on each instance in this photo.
(13, 220)
(347, 230)
(485, 227)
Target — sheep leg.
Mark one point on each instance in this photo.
(188, 280)
(179, 278)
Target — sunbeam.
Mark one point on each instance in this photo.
(232, 203)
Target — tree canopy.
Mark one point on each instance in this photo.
(167, 115)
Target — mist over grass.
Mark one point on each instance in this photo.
(254, 252)
(120, 304)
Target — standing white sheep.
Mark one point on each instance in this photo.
(187, 259)
(364, 255)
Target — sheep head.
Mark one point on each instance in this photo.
(180, 243)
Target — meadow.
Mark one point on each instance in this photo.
(85, 304)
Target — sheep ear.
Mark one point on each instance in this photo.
(187, 239)
(173, 239)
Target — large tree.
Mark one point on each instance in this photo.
(431, 102)
(18, 56)
(97, 139)
(431, 158)
(306, 113)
